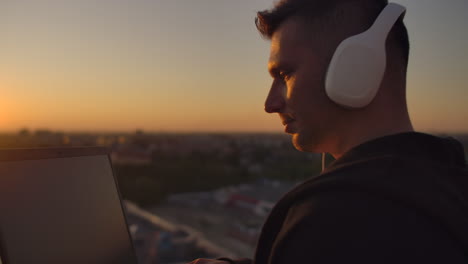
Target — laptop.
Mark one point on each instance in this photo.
(61, 206)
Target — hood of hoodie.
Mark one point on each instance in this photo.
(420, 171)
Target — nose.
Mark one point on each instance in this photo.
(275, 101)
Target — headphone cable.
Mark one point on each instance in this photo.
(323, 161)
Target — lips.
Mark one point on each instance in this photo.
(286, 119)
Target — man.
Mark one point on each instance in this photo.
(392, 195)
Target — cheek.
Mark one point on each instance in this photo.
(304, 94)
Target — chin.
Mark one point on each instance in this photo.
(304, 143)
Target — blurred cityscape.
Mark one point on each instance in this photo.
(193, 195)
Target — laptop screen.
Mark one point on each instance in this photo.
(61, 206)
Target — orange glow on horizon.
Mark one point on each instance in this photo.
(96, 112)
(5, 105)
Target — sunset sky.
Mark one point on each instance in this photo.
(189, 65)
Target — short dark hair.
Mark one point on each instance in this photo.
(268, 21)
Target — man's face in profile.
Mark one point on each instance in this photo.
(298, 65)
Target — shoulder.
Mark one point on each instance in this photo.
(340, 211)
(346, 225)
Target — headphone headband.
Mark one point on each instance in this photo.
(386, 19)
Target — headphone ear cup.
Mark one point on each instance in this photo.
(355, 73)
(358, 65)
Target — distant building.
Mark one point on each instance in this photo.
(159, 241)
(258, 198)
(131, 155)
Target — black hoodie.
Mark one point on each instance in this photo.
(397, 199)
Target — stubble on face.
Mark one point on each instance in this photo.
(305, 99)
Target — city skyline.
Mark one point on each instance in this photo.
(186, 66)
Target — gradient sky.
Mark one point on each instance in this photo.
(189, 65)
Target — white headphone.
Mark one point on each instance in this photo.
(357, 68)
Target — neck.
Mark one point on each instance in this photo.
(358, 134)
